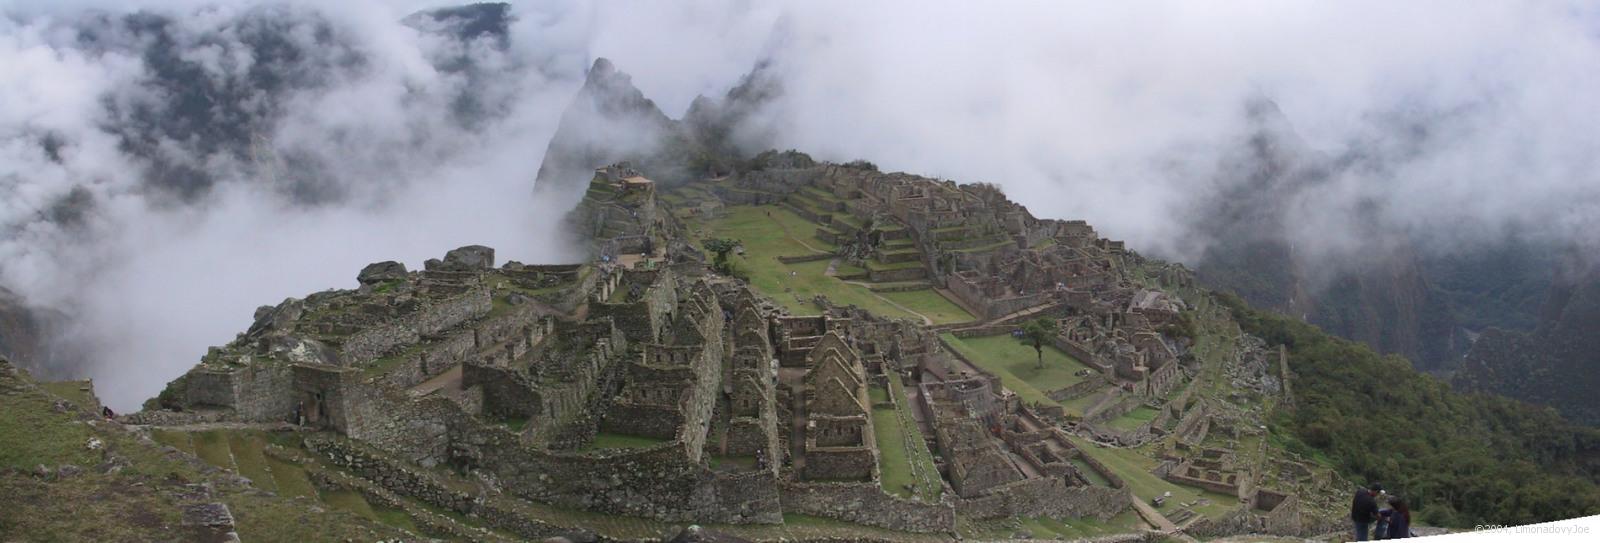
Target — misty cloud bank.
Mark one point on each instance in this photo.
(166, 167)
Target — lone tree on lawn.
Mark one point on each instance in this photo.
(1038, 331)
(720, 247)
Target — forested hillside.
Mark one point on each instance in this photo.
(1462, 459)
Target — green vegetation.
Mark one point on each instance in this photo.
(1459, 459)
(904, 472)
(212, 446)
(1014, 362)
(767, 232)
(72, 391)
(141, 502)
(34, 433)
(247, 456)
(1134, 419)
(290, 478)
(1134, 466)
(604, 440)
(720, 247)
(1038, 332)
(931, 304)
(742, 462)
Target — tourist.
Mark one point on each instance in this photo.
(1399, 518)
(1380, 497)
(1362, 510)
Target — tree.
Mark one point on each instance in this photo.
(1038, 331)
(720, 247)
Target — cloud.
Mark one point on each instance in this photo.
(1450, 123)
(168, 169)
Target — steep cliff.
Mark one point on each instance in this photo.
(1381, 296)
(1553, 365)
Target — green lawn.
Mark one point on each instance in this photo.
(1134, 466)
(604, 440)
(349, 500)
(1017, 364)
(212, 446)
(903, 472)
(73, 391)
(762, 230)
(929, 302)
(251, 462)
(290, 479)
(1134, 419)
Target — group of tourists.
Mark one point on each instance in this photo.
(1379, 514)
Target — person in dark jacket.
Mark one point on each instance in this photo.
(1399, 519)
(1363, 509)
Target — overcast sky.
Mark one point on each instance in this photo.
(1471, 119)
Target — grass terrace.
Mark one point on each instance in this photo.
(906, 467)
(605, 440)
(768, 232)
(1134, 466)
(1017, 365)
(1134, 419)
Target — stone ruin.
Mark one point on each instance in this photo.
(646, 386)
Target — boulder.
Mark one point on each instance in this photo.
(276, 321)
(381, 272)
(469, 258)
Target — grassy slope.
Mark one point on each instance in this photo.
(142, 502)
(766, 237)
(1017, 364)
(1460, 459)
(900, 467)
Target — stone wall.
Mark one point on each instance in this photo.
(841, 463)
(902, 274)
(866, 503)
(1046, 497)
(445, 314)
(404, 481)
(1083, 355)
(255, 393)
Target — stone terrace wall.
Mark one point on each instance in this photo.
(430, 359)
(866, 503)
(1046, 497)
(406, 482)
(256, 393)
(840, 463)
(1083, 355)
